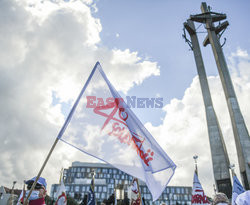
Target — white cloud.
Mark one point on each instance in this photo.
(49, 47)
(183, 133)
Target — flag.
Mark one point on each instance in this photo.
(61, 189)
(198, 195)
(243, 198)
(135, 193)
(237, 189)
(91, 194)
(102, 125)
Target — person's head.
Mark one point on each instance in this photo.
(40, 188)
(220, 199)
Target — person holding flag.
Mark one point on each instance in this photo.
(102, 125)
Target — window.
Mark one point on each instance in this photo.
(77, 188)
(67, 188)
(83, 188)
(103, 196)
(100, 189)
(178, 190)
(83, 170)
(88, 170)
(104, 171)
(182, 190)
(114, 171)
(110, 171)
(104, 189)
(78, 174)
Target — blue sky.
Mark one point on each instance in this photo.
(154, 30)
(48, 49)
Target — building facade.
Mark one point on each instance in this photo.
(77, 179)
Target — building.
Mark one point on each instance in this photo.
(77, 179)
(8, 195)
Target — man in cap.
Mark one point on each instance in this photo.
(37, 196)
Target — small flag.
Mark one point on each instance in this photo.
(61, 193)
(102, 125)
(198, 195)
(91, 194)
(237, 189)
(135, 193)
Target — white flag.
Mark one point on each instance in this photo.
(102, 125)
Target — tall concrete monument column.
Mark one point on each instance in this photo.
(219, 154)
(241, 136)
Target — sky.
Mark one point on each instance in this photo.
(48, 49)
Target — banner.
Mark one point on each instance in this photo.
(102, 125)
(198, 195)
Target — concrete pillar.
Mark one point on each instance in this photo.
(241, 136)
(219, 154)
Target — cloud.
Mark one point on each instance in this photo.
(184, 134)
(48, 49)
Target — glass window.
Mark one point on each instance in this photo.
(83, 188)
(83, 169)
(104, 189)
(95, 188)
(110, 171)
(108, 175)
(172, 190)
(144, 189)
(78, 174)
(122, 176)
(182, 190)
(88, 170)
(78, 169)
(103, 196)
(67, 188)
(178, 190)
(97, 195)
(114, 171)
(100, 175)
(77, 188)
(100, 189)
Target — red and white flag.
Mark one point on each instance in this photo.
(135, 193)
(102, 125)
(198, 195)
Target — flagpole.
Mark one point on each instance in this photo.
(61, 131)
(232, 167)
(138, 190)
(195, 157)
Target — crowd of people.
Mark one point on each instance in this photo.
(37, 196)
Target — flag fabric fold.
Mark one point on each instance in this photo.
(102, 125)
(237, 189)
(198, 195)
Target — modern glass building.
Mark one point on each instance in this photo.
(77, 179)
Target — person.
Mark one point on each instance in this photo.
(37, 196)
(62, 200)
(220, 199)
